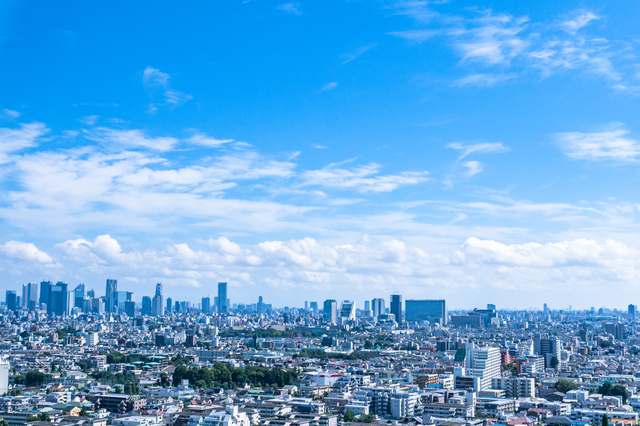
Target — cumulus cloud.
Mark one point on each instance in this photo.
(612, 144)
(26, 252)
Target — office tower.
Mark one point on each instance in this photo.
(60, 299)
(482, 363)
(157, 304)
(331, 311)
(260, 306)
(110, 295)
(176, 306)
(377, 305)
(396, 307)
(146, 306)
(306, 305)
(11, 300)
(169, 305)
(206, 305)
(30, 296)
(91, 294)
(549, 347)
(348, 310)
(616, 330)
(546, 309)
(434, 311)
(223, 308)
(313, 306)
(45, 290)
(79, 294)
(367, 305)
(633, 310)
(97, 305)
(130, 308)
(491, 306)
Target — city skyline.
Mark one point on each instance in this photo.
(477, 153)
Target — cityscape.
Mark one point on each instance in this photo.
(75, 357)
(319, 213)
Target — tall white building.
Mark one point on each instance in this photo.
(348, 310)
(4, 376)
(483, 363)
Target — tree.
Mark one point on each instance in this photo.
(3, 422)
(118, 389)
(554, 362)
(565, 386)
(35, 378)
(350, 417)
(83, 412)
(605, 420)
(608, 389)
(367, 418)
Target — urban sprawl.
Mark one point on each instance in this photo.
(70, 357)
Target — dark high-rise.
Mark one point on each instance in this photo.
(206, 305)
(45, 291)
(223, 308)
(110, 295)
(79, 294)
(60, 299)
(146, 306)
(11, 300)
(396, 307)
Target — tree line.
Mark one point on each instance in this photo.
(223, 375)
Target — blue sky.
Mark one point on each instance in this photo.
(484, 152)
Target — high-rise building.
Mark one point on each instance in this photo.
(45, 290)
(377, 306)
(130, 308)
(206, 305)
(434, 311)
(223, 307)
(146, 306)
(78, 296)
(157, 304)
(4, 376)
(260, 306)
(60, 299)
(633, 310)
(30, 296)
(549, 347)
(367, 305)
(348, 310)
(482, 363)
(313, 306)
(330, 311)
(396, 307)
(110, 295)
(11, 300)
(169, 305)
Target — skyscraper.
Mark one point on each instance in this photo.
(110, 295)
(169, 305)
(396, 307)
(79, 294)
(377, 305)
(60, 299)
(260, 307)
(157, 304)
(45, 290)
(11, 300)
(206, 305)
(426, 310)
(146, 306)
(348, 310)
(30, 296)
(330, 311)
(223, 308)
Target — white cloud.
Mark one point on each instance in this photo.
(480, 148)
(131, 138)
(474, 167)
(90, 119)
(416, 36)
(352, 56)
(10, 114)
(483, 79)
(204, 140)
(361, 178)
(153, 80)
(293, 8)
(578, 20)
(611, 144)
(26, 136)
(329, 86)
(26, 252)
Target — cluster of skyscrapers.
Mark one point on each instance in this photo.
(434, 311)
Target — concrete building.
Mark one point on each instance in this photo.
(483, 363)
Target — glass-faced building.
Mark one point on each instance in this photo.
(426, 310)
